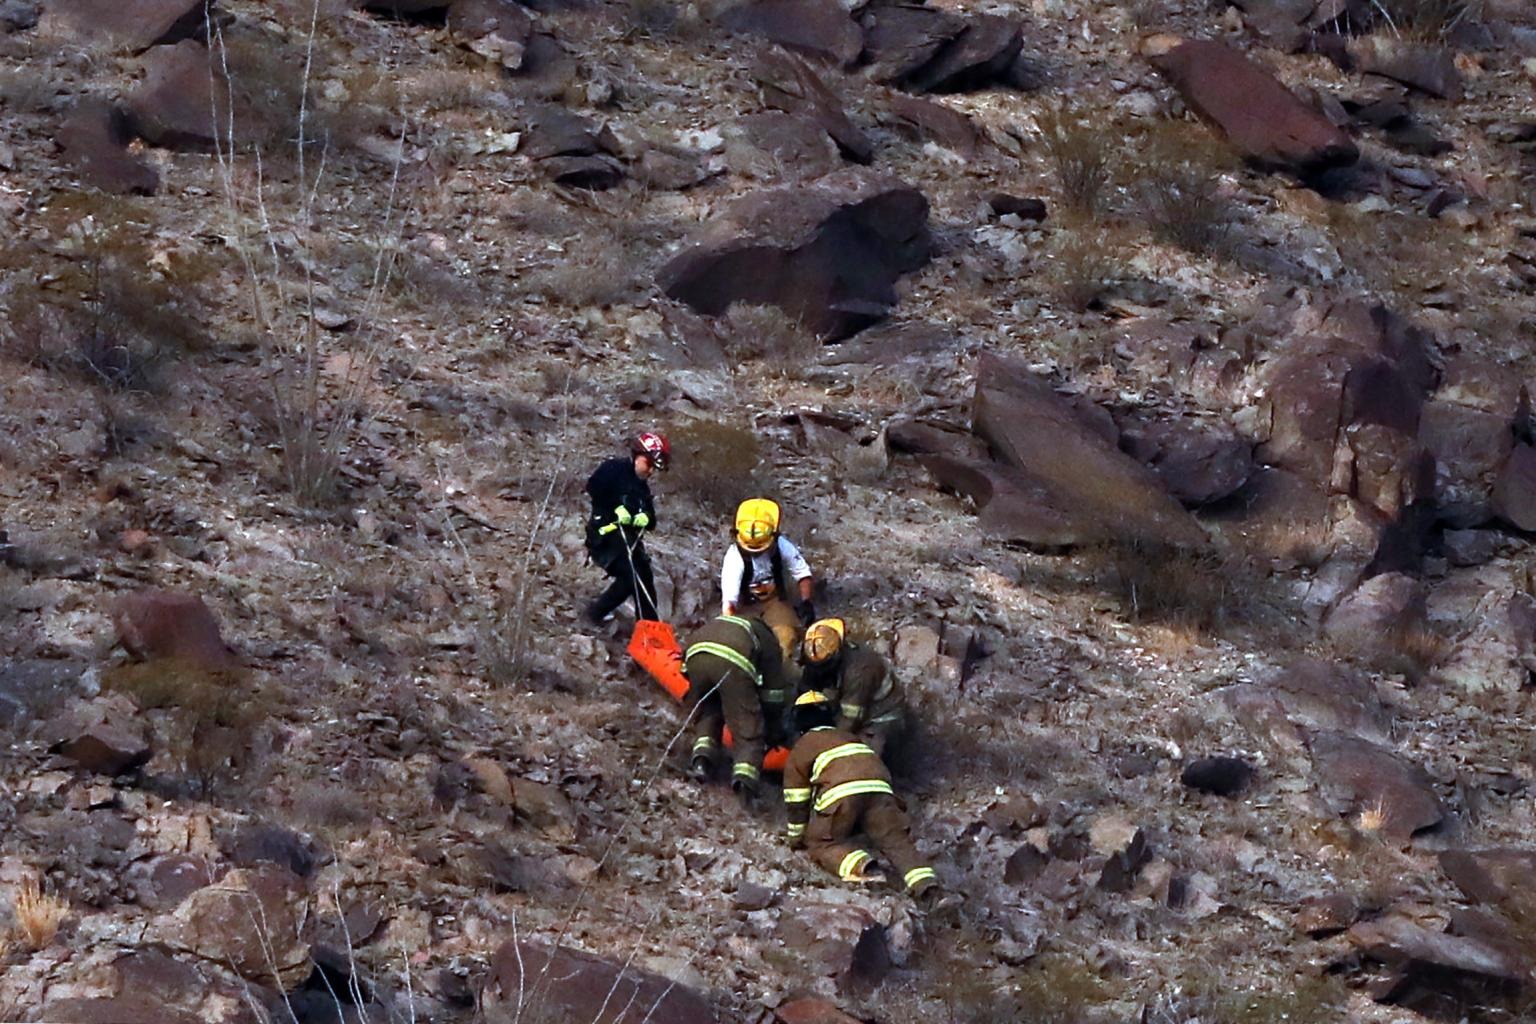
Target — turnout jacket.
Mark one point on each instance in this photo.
(748, 645)
(862, 684)
(828, 765)
(614, 485)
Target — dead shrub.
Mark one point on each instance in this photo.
(1083, 266)
(502, 642)
(1178, 170)
(329, 807)
(1158, 583)
(1080, 152)
(769, 334)
(38, 914)
(1432, 20)
(714, 462)
(217, 717)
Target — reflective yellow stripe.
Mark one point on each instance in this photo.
(703, 743)
(796, 796)
(721, 651)
(772, 696)
(737, 620)
(796, 831)
(745, 770)
(603, 531)
(851, 864)
(916, 875)
(853, 711)
(841, 750)
(894, 716)
(846, 789)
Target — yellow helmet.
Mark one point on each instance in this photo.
(757, 524)
(811, 699)
(823, 639)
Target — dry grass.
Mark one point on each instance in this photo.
(1188, 592)
(1371, 820)
(768, 334)
(1083, 266)
(1431, 20)
(1177, 169)
(1080, 151)
(714, 462)
(38, 915)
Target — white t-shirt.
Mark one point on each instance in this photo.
(762, 568)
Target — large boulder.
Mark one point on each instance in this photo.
(131, 27)
(983, 52)
(1309, 694)
(790, 84)
(1375, 786)
(1503, 878)
(94, 139)
(1259, 116)
(1514, 491)
(1469, 447)
(103, 734)
(1498, 649)
(498, 30)
(1107, 494)
(163, 624)
(827, 254)
(1198, 463)
(1408, 946)
(183, 99)
(1428, 68)
(820, 28)
(251, 921)
(528, 980)
(900, 39)
(1380, 614)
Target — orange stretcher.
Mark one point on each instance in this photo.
(654, 645)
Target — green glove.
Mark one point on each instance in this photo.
(622, 516)
(641, 520)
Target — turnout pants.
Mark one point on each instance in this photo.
(631, 572)
(831, 838)
(734, 703)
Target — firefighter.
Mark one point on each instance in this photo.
(736, 679)
(856, 678)
(622, 510)
(757, 571)
(835, 788)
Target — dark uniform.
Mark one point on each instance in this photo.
(739, 659)
(836, 787)
(869, 701)
(618, 493)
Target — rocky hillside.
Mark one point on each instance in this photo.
(1150, 381)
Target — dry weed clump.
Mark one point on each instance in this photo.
(1083, 266)
(1080, 151)
(216, 717)
(38, 915)
(715, 462)
(771, 335)
(1156, 583)
(1431, 20)
(1178, 168)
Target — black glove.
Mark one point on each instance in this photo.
(807, 612)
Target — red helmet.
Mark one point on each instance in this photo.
(653, 446)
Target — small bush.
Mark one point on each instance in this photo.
(1080, 152)
(1172, 586)
(714, 462)
(771, 335)
(1178, 169)
(38, 915)
(502, 641)
(216, 718)
(1425, 19)
(1082, 269)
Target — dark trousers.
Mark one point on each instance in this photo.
(631, 572)
(831, 837)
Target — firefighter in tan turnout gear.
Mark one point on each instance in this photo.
(735, 679)
(758, 570)
(836, 788)
(869, 703)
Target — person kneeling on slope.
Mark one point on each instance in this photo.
(736, 679)
(857, 679)
(835, 787)
(757, 570)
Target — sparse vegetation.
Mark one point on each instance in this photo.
(771, 335)
(713, 462)
(37, 913)
(1080, 152)
(1425, 19)
(1082, 268)
(1160, 584)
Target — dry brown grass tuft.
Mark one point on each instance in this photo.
(715, 462)
(38, 915)
(771, 335)
(1431, 20)
(1189, 592)
(1080, 151)
(1083, 266)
